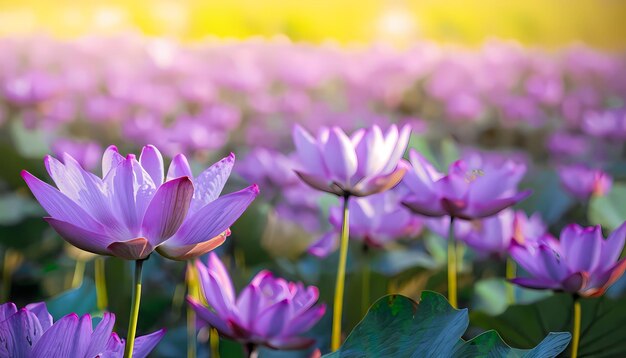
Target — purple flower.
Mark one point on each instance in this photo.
(375, 220)
(272, 170)
(496, 234)
(610, 123)
(269, 311)
(583, 182)
(134, 208)
(581, 262)
(30, 333)
(364, 164)
(467, 192)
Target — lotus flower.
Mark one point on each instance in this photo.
(375, 220)
(135, 209)
(584, 182)
(30, 333)
(467, 192)
(269, 311)
(581, 262)
(366, 163)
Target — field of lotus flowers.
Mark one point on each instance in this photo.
(269, 198)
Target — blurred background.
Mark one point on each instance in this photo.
(469, 22)
(536, 81)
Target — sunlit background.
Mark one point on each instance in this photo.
(552, 23)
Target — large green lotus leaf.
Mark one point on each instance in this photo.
(396, 326)
(609, 210)
(602, 333)
(490, 344)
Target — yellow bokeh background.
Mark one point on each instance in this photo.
(548, 23)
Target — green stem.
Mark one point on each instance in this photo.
(134, 310)
(7, 274)
(214, 341)
(191, 314)
(452, 265)
(576, 327)
(341, 277)
(79, 273)
(101, 286)
(365, 285)
(511, 272)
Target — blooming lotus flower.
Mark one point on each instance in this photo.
(467, 192)
(366, 163)
(269, 311)
(583, 182)
(375, 220)
(134, 208)
(581, 262)
(31, 333)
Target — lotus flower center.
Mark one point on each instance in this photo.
(473, 174)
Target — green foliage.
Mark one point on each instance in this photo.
(609, 210)
(602, 333)
(396, 326)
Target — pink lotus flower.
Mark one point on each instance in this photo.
(466, 192)
(366, 163)
(134, 208)
(269, 311)
(493, 235)
(30, 333)
(581, 262)
(583, 182)
(375, 220)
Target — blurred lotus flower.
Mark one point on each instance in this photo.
(30, 333)
(29, 89)
(496, 234)
(584, 182)
(364, 164)
(134, 208)
(375, 220)
(271, 170)
(466, 192)
(610, 123)
(269, 311)
(581, 262)
(86, 153)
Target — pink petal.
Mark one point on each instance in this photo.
(152, 161)
(167, 210)
(188, 252)
(339, 156)
(135, 249)
(382, 183)
(308, 151)
(214, 218)
(582, 247)
(58, 205)
(145, 344)
(179, 167)
(326, 245)
(209, 184)
(209, 317)
(87, 240)
(110, 160)
(270, 322)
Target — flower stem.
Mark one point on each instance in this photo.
(192, 290)
(101, 286)
(511, 272)
(341, 276)
(79, 272)
(576, 327)
(365, 285)
(452, 265)
(214, 341)
(134, 310)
